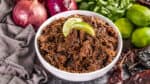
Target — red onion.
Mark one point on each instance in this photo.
(56, 6)
(70, 4)
(29, 12)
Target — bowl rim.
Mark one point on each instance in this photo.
(57, 16)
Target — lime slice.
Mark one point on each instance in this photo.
(68, 25)
(77, 23)
(84, 27)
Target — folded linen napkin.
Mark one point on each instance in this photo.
(17, 56)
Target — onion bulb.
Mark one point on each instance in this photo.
(70, 4)
(29, 12)
(56, 6)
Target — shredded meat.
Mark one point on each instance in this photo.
(79, 52)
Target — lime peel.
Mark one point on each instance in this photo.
(78, 24)
(81, 26)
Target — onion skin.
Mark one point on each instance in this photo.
(29, 12)
(70, 4)
(56, 6)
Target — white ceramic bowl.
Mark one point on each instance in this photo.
(77, 77)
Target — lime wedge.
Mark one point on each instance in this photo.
(77, 23)
(84, 27)
(67, 27)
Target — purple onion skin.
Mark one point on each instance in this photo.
(55, 6)
(29, 12)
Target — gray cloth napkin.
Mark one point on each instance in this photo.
(17, 54)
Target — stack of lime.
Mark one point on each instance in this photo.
(140, 17)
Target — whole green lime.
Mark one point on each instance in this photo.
(141, 37)
(139, 15)
(125, 27)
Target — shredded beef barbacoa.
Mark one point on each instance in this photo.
(79, 52)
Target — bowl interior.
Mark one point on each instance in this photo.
(77, 76)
